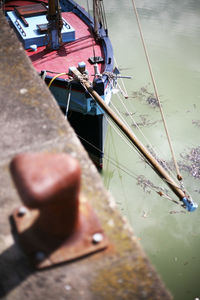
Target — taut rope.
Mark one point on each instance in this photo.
(179, 177)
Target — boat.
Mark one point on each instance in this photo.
(73, 54)
(57, 36)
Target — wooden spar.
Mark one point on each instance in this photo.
(95, 14)
(55, 25)
(51, 8)
(131, 136)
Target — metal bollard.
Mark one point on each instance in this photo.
(53, 222)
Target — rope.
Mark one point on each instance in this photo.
(68, 101)
(58, 75)
(125, 95)
(123, 189)
(153, 163)
(131, 145)
(123, 137)
(120, 115)
(143, 135)
(130, 173)
(179, 177)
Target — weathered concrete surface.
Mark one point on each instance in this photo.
(31, 121)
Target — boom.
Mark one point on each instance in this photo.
(187, 201)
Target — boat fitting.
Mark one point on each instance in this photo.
(189, 204)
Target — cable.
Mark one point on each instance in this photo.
(58, 75)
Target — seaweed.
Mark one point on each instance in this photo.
(147, 185)
(144, 122)
(196, 122)
(191, 162)
(167, 165)
(144, 95)
(152, 101)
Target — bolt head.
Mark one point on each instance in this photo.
(40, 256)
(97, 238)
(22, 211)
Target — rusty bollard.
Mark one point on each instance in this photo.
(53, 220)
(51, 183)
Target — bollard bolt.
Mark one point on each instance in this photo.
(39, 256)
(97, 238)
(22, 211)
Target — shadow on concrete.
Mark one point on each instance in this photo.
(14, 269)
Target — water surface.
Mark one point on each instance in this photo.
(169, 235)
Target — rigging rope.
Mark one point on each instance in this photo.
(130, 172)
(68, 101)
(179, 177)
(188, 203)
(147, 140)
(142, 155)
(125, 95)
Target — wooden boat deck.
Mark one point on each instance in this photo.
(69, 54)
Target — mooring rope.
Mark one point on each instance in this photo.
(179, 177)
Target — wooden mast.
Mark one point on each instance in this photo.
(134, 140)
(95, 16)
(99, 17)
(54, 25)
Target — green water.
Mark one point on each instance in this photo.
(172, 33)
(170, 237)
